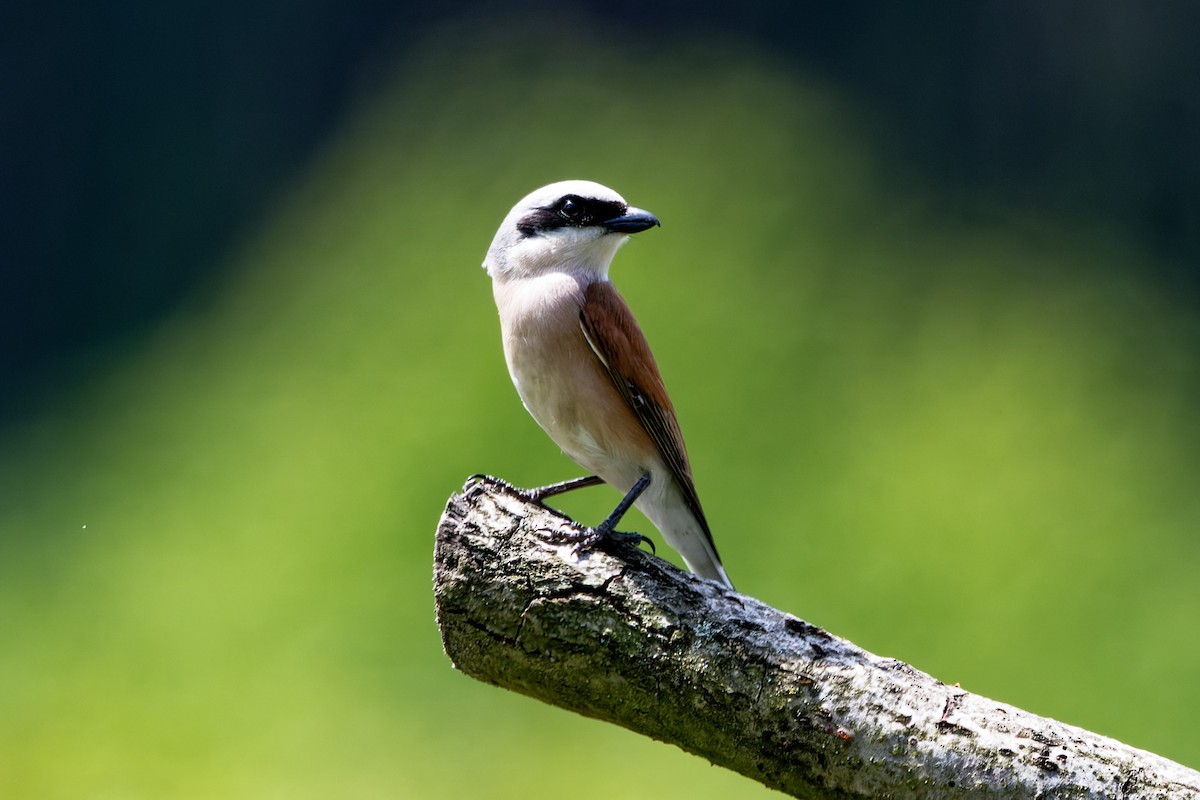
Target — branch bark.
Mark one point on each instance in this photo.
(616, 634)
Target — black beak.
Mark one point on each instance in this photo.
(634, 220)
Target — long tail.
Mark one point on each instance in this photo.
(685, 530)
(701, 557)
(690, 538)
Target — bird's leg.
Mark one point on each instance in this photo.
(535, 495)
(539, 494)
(562, 487)
(628, 500)
(590, 537)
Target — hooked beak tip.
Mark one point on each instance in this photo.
(634, 220)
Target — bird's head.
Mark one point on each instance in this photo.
(570, 226)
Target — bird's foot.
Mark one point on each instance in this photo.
(588, 538)
(480, 479)
(634, 539)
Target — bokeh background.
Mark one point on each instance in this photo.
(926, 294)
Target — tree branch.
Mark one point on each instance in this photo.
(616, 634)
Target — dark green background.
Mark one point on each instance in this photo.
(925, 296)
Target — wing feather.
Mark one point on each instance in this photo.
(615, 338)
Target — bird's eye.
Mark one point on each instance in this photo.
(572, 210)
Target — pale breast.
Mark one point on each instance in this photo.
(561, 381)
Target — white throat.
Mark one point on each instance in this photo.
(585, 253)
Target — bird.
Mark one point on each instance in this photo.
(582, 367)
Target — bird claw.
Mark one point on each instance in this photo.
(634, 539)
(483, 479)
(588, 538)
(479, 478)
(478, 483)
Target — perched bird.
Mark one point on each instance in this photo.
(582, 366)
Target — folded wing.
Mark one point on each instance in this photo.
(615, 338)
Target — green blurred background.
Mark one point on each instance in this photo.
(926, 296)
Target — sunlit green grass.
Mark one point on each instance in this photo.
(970, 446)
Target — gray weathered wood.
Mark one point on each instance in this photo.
(616, 634)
